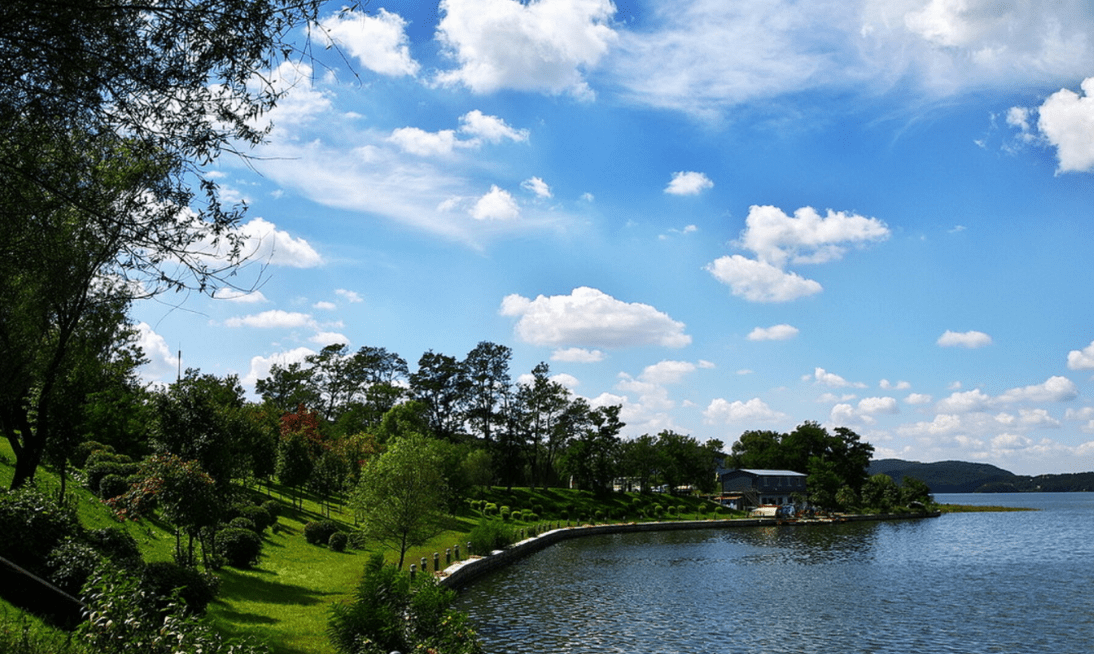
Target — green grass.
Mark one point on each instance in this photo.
(976, 508)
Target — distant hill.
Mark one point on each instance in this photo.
(965, 477)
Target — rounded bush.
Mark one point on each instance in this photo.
(31, 525)
(531, 517)
(96, 472)
(240, 547)
(357, 540)
(490, 535)
(116, 544)
(70, 564)
(112, 486)
(516, 515)
(83, 451)
(259, 516)
(161, 578)
(490, 509)
(338, 541)
(318, 533)
(106, 456)
(241, 522)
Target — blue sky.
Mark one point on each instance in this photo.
(723, 216)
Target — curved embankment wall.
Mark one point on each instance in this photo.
(462, 573)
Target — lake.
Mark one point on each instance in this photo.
(966, 582)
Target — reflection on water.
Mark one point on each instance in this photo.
(985, 582)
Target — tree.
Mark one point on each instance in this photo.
(487, 369)
(109, 115)
(288, 387)
(593, 458)
(642, 460)
(441, 383)
(400, 496)
(541, 407)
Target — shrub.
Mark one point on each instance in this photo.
(259, 516)
(70, 565)
(490, 509)
(531, 517)
(319, 532)
(239, 546)
(516, 515)
(338, 541)
(32, 525)
(96, 472)
(274, 509)
(112, 486)
(117, 545)
(241, 522)
(599, 514)
(357, 540)
(490, 535)
(83, 451)
(106, 456)
(505, 513)
(195, 589)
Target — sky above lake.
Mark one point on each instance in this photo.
(724, 216)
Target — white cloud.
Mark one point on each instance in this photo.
(774, 333)
(348, 296)
(831, 379)
(497, 204)
(875, 405)
(323, 339)
(721, 411)
(1067, 122)
(262, 241)
(275, 318)
(325, 306)
(240, 296)
(964, 402)
(667, 372)
(163, 364)
(918, 398)
(538, 46)
(260, 366)
(688, 183)
(478, 127)
(706, 56)
(1055, 389)
(778, 239)
(377, 40)
(536, 186)
(577, 355)
(900, 385)
(759, 281)
(1081, 359)
(591, 318)
(970, 339)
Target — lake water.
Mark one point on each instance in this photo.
(968, 582)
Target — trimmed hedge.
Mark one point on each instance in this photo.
(240, 547)
(319, 533)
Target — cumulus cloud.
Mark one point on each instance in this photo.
(918, 398)
(260, 366)
(538, 46)
(970, 339)
(875, 405)
(591, 318)
(900, 385)
(831, 379)
(240, 296)
(1066, 120)
(722, 411)
(778, 240)
(759, 281)
(965, 402)
(688, 183)
(348, 296)
(377, 40)
(577, 355)
(497, 204)
(325, 306)
(163, 364)
(774, 333)
(667, 372)
(537, 186)
(275, 318)
(476, 128)
(323, 339)
(1054, 389)
(259, 240)
(806, 237)
(1081, 359)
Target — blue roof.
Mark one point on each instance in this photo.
(774, 473)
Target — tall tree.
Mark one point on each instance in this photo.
(441, 382)
(400, 496)
(593, 458)
(487, 367)
(109, 114)
(541, 406)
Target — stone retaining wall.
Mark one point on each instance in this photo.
(463, 573)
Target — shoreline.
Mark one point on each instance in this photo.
(463, 573)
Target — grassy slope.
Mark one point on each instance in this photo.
(285, 599)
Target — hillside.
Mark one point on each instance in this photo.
(965, 477)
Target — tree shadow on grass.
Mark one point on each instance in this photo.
(235, 585)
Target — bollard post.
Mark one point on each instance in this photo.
(413, 570)
(436, 562)
(448, 556)
(457, 552)
(469, 548)
(424, 568)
